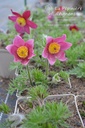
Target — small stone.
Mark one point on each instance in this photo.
(78, 124)
(84, 121)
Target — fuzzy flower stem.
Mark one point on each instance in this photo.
(47, 69)
(29, 75)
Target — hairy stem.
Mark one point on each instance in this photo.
(29, 75)
(47, 69)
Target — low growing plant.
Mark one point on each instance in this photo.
(39, 77)
(4, 108)
(51, 115)
(79, 70)
(36, 73)
(38, 93)
(19, 83)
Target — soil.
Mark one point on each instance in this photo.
(4, 82)
(73, 121)
(78, 87)
(81, 106)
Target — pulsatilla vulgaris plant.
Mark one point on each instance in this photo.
(38, 93)
(52, 115)
(54, 49)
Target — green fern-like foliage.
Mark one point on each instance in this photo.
(16, 66)
(4, 108)
(19, 83)
(39, 77)
(5, 124)
(78, 71)
(64, 75)
(39, 91)
(52, 115)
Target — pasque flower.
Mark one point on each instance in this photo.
(73, 28)
(22, 51)
(22, 22)
(50, 17)
(55, 48)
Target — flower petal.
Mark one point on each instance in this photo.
(13, 50)
(15, 13)
(13, 18)
(32, 24)
(26, 29)
(31, 42)
(26, 14)
(45, 53)
(61, 56)
(16, 59)
(31, 55)
(49, 39)
(19, 28)
(18, 41)
(30, 49)
(51, 59)
(60, 39)
(25, 62)
(8, 48)
(65, 45)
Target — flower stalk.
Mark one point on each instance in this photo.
(47, 68)
(29, 76)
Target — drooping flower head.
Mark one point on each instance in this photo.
(22, 51)
(22, 22)
(73, 28)
(55, 48)
(50, 17)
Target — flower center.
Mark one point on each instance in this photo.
(21, 21)
(54, 48)
(73, 29)
(22, 52)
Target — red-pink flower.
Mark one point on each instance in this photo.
(22, 22)
(55, 48)
(22, 51)
(73, 28)
(59, 9)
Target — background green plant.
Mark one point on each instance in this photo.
(52, 115)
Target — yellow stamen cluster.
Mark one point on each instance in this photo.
(22, 52)
(21, 21)
(54, 48)
(73, 29)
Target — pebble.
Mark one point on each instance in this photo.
(78, 124)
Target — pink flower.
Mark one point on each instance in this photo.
(50, 17)
(22, 23)
(22, 51)
(55, 48)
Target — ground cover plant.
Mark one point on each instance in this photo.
(48, 60)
